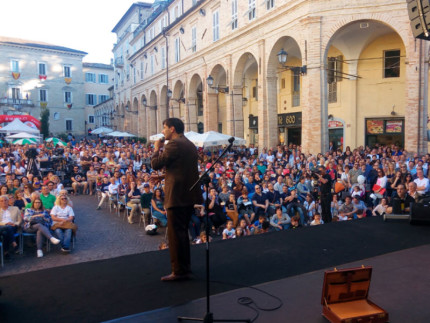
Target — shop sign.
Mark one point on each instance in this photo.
(335, 124)
(375, 127)
(290, 119)
(394, 126)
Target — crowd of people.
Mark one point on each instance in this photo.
(250, 191)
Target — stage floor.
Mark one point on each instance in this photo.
(400, 285)
(288, 264)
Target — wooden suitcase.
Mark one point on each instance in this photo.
(345, 297)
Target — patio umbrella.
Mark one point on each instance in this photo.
(156, 137)
(190, 134)
(25, 141)
(101, 130)
(213, 138)
(56, 141)
(126, 134)
(22, 135)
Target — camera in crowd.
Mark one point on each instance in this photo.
(315, 175)
(31, 153)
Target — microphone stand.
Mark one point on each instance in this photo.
(205, 180)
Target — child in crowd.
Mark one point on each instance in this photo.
(356, 191)
(317, 219)
(229, 232)
(258, 225)
(295, 222)
(245, 228)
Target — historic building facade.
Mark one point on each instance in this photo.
(306, 72)
(34, 75)
(98, 79)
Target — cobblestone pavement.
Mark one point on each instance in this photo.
(101, 235)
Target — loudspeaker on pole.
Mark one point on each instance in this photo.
(419, 15)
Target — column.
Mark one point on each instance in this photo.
(211, 112)
(191, 114)
(237, 112)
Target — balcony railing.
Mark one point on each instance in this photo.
(17, 103)
(119, 62)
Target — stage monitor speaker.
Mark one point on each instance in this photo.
(420, 213)
(419, 15)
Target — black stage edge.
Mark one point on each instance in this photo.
(108, 289)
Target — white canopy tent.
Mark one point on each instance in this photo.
(101, 130)
(17, 126)
(120, 134)
(213, 138)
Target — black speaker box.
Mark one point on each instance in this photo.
(420, 213)
(414, 17)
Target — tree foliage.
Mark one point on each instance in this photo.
(44, 122)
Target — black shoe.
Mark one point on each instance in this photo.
(98, 208)
(65, 250)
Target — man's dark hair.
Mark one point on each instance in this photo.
(176, 123)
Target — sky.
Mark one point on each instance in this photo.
(84, 25)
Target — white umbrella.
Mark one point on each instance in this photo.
(101, 130)
(115, 134)
(213, 138)
(156, 137)
(126, 134)
(190, 134)
(22, 135)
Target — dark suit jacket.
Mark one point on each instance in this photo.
(180, 160)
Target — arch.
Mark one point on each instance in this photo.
(176, 100)
(245, 99)
(194, 103)
(349, 47)
(284, 82)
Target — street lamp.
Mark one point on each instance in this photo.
(282, 58)
(210, 82)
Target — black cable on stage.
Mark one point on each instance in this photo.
(248, 301)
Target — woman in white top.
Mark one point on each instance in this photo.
(62, 215)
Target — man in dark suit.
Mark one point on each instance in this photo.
(179, 159)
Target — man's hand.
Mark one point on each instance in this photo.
(158, 144)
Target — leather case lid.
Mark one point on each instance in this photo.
(346, 285)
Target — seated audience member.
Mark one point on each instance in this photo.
(335, 205)
(47, 198)
(78, 181)
(229, 232)
(10, 221)
(145, 202)
(423, 185)
(113, 191)
(360, 206)
(104, 192)
(280, 221)
(246, 209)
(412, 191)
(310, 206)
(91, 179)
(216, 215)
(28, 189)
(294, 206)
(37, 220)
(381, 208)
(265, 227)
(347, 210)
(133, 198)
(63, 217)
(400, 203)
(260, 201)
(231, 209)
(20, 201)
(258, 225)
(196, 222)
(356, 191)
(317, 219)
(295, 222)
(158, 211)
(274, 199)
(245, 227)
(66, 194)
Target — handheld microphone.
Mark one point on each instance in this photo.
(162, 139)
(231, 140)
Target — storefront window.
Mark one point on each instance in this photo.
(385, 132)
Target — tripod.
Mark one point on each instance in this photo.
(32, 168)
(205, 180)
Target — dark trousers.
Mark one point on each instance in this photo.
(325, 207)
(178, 219)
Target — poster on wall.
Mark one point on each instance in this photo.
(393, 126)
(375, 127)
